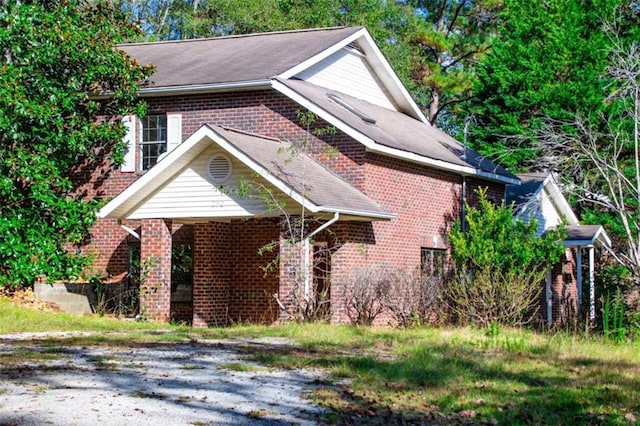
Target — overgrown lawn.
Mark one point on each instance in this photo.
(390, 376)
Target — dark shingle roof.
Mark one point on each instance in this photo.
(582, 232)
(301, 173)
(529, 184)
(395, 130)
(234, 58)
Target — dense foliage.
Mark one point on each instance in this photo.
(499, 265)
(546, 63)
(55, 128)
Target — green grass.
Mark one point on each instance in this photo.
(380, 376)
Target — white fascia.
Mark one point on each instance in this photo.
(375, 147)
(320, 56)
(560, 201)
(390, 78)
(154, 174)
(393, 77)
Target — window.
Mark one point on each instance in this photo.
(433, 261)
(153, 139)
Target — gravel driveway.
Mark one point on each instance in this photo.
(196, 383)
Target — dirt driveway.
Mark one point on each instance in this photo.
(195, 383)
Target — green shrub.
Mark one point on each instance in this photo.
(499, 265)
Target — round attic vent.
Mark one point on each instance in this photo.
(219, 168)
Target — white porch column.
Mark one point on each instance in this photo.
(549, 298)
(592, 285)
(579, 273)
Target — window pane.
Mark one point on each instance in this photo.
(154, 139)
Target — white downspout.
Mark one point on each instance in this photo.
(307, 248)
(129, 230)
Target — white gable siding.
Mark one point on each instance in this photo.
(190, 194)
(544, 211)
(549, 215)
(347, 72)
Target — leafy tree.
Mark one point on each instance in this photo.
(546, 63)
(56, 127)
(449, 38)
(500, 264)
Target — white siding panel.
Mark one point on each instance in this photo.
(549, 216)
(190, 194)
(347, 72)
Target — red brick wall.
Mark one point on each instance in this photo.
(564, 289)
(426, 202)
(210, 274)
(229, 282)
(495, 190)
(155, 260)
(270, 114)
(252, 287)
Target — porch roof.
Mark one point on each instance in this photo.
(297, 176)
(586, 236)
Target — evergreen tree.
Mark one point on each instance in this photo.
(546, 64)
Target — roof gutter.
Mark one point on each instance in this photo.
(350, 212)
(205, 88)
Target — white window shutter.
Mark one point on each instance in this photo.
(129, 164)
(174, 131)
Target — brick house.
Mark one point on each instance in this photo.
(370, 170)
(539, 197)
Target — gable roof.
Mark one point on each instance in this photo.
(252, 60)
(233, 58)
(533, 184)
(297, 176)
(586, 235)
(533, 187)
(393, 133)
(276, 60)
(530, 184)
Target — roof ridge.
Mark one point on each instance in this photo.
(234, 36)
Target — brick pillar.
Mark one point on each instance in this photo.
(290, 276)
(210, 274)
(564, 289)
(155, 260)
